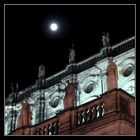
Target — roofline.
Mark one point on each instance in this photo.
(75, 68)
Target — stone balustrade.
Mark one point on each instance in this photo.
(68, 121)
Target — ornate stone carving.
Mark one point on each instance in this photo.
(128, 70)
(89, 87)
(55, 102)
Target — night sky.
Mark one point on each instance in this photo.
(29, 42)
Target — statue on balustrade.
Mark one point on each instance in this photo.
(12, 87)
(69, 95)
(72, 55)
(112, 75)
(106, 43)
(106, 39)
(25, 117)
(41, 73)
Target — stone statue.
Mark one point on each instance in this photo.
(41, 70)
(69, 95)
(112, 75)
(12, 87)
(17, 86)
(106, 39)
(25, 116)
(72, 55)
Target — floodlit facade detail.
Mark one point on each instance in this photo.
(46, 96)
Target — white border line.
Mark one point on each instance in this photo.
(4, 69)
(135, 72)
(69, 4)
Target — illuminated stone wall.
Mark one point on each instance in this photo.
(90, 80)
(89, 87)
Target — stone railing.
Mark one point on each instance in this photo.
(124, 46)
(49, 127)
(90, 114)
(70, 120)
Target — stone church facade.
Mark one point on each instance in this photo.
(78, 100)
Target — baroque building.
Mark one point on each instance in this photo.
(79, 100)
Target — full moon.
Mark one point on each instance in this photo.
(53, 26)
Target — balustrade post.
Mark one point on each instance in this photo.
(95, 112)
(111, 101)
